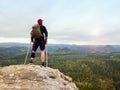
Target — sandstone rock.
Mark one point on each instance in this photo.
(34, 77)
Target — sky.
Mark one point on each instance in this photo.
(81, 22)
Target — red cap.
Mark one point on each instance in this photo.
(40, 20)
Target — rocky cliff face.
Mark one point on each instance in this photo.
(33, 77)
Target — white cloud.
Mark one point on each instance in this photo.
(79, 22)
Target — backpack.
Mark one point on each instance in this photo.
(36, 32)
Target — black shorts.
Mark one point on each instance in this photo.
(38, 43)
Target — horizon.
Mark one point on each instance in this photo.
(63, 44)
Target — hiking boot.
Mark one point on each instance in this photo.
(31, 62)
(43, 64)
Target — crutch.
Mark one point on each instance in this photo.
(28, 50)
(46, 55)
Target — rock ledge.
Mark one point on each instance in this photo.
(34, 77)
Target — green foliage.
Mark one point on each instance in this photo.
(89, 73)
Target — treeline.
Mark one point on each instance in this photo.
(99, 71)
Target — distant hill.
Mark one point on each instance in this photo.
(95, 48)
(8, 45)
(9, 51)
(65, 49)
(16, 48)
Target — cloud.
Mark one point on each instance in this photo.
(67, 21)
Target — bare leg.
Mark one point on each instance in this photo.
(42, 57)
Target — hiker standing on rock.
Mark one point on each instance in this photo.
(39, 36)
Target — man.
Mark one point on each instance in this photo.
(39, 42)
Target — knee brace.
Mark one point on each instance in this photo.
(32, 54)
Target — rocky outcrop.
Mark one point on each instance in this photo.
(34, 77)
